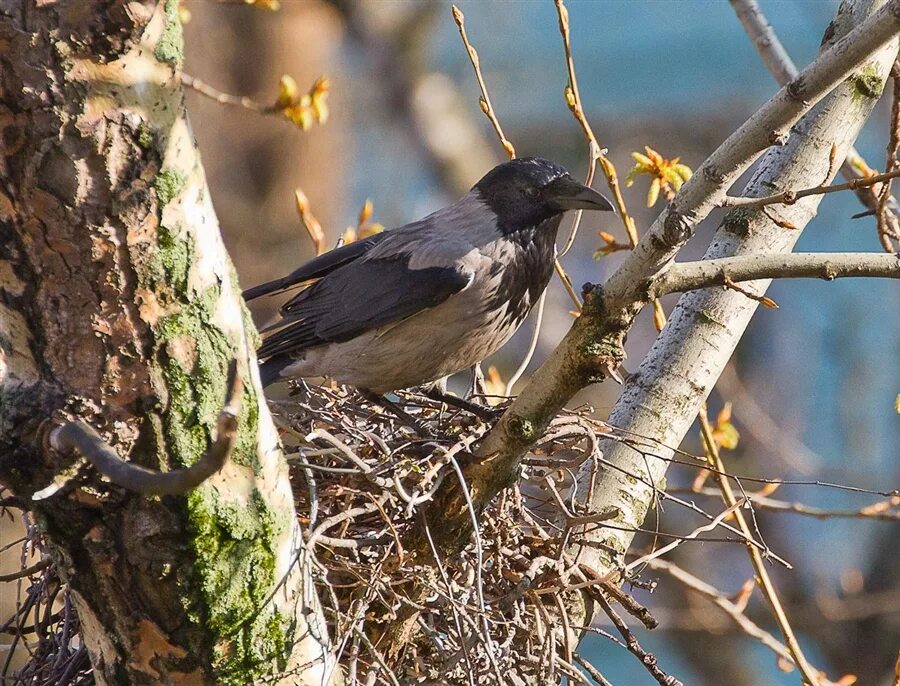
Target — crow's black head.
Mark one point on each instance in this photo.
(525, 192)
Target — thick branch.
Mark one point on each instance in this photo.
(782, 68)
(688, 276)
(79, 437)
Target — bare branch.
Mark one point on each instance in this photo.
(573, 100)
(647, 659)
(883, 510)
(38, 566)
(790, 197)
(770, 49)
(730, 608)
(688, 276)
(782, 68)
(81, 438)
(485, 100)
(810, 675)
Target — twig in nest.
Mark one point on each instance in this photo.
(81, 438)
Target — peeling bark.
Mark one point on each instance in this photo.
(119, 307)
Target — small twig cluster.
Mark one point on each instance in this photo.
(44, 623)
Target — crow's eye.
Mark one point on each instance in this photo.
(531, 192)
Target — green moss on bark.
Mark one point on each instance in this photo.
(172, 260)
(170, 46)
(235, 544)
(169, 183)
(236, 550)
(867, 83)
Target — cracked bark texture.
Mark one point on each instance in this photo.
(119, 306)
(660, 401)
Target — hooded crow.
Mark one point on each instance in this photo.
(415, 304)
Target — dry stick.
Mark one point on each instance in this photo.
(782, 68)
(880, 511)
(727, 606)
(647, 659)
(81, 438)
(762, 576)
(592, 671)
(687, 276)
(790, 197)
(886, 228)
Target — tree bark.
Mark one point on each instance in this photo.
(119, 307)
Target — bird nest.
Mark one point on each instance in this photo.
(496, 612)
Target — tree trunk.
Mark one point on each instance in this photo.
(119, 306)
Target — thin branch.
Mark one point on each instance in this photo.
(810, 675)
(208, 91)
(770, 49)
(790, 197)
(732, 507)
(532, 346)
(730, 608)
(882, 510)
(592, 671)
(79, 437)
(38, 566)
(647, 659)
(567, 284)
(573, 100)
(688, 276)
(485, 103)
(485, 100)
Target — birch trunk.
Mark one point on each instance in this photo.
(661, 400)
(119, 306)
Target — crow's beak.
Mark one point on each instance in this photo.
(567, 194)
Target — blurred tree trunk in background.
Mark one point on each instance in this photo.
(119, 306)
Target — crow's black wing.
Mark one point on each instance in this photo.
(318, 266)
(358, 297)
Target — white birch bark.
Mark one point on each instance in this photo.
(661, 400)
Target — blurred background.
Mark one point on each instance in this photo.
(813, 384)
